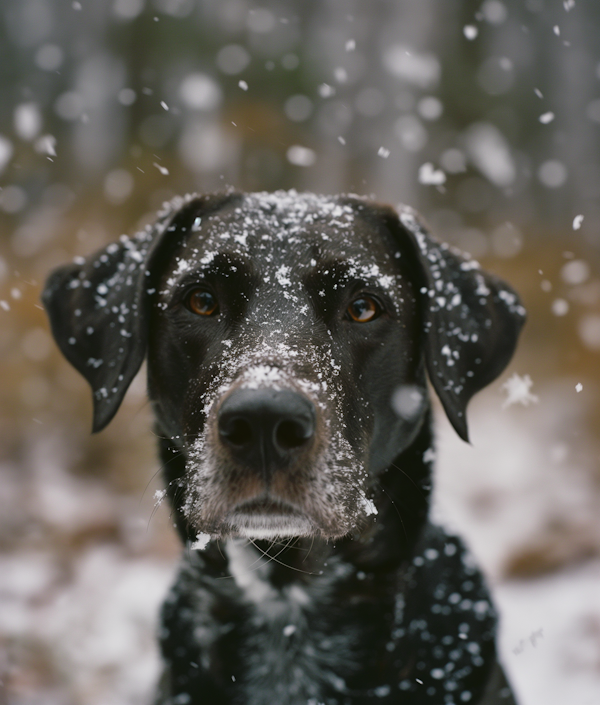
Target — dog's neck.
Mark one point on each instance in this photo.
(402, 494)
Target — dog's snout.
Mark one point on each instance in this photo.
(263, 428)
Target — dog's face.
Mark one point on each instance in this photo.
(300, 311)
(287, 339)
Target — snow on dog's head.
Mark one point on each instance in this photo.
(288, 279)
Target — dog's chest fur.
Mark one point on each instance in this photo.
(418, 635)
(289, 652)
(289, 643)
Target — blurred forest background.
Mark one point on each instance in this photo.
(485, 115)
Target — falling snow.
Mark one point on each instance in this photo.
(546, 118)
(430, 176)
(560, 307)
(301, 156)
(518, 391)
(163, 170)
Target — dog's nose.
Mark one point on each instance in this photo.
(264, 428)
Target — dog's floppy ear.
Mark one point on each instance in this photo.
(98, 308)
(472, 320)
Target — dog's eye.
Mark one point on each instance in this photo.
(201, 302)
(364, 309)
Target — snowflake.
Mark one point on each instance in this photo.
(518, 391)
(430, 176)
(201, 542)
(159, 495)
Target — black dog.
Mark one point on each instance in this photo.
(287, 338)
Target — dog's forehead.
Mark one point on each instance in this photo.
(294, 230)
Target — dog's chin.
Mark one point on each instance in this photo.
(268, 520)
(266, 517)
(269, 527)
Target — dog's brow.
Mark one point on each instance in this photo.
(347, 272)
(222, 264)
(331, 266)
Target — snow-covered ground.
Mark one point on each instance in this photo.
(524, 498)
(550, 636)
(78, 614)
(85, 638)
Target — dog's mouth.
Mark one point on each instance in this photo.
(294, 473)
(266, 518)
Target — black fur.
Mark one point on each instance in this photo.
(341, 592)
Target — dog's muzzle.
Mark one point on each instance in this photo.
(266, 429)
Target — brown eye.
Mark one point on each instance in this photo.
(201, 302)
(364, 309)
